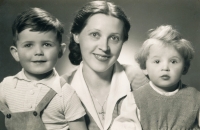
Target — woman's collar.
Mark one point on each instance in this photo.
(120, 85)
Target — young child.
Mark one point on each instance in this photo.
(37, 98)
(165, 103)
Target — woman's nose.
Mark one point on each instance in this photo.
(103, 45)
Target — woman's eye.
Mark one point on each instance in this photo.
(115, 38)
(95, 35)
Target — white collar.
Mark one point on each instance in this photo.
(120, 86)
(165, 93)
(53, 81)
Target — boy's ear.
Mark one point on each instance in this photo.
(76, 38)
(62, 50)
(14, 52)
(145, 71)
(185, 70)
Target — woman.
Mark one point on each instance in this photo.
(97, 34)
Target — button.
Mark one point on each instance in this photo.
(32, 92)
(35, 113)
(8, 115)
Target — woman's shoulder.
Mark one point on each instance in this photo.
(135, 75)
(69, 75)
(132, 69)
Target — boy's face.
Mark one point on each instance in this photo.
(164, 66)
(37, 52)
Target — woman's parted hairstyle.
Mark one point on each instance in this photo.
(81, 18)
(37, 20)
(168, 37)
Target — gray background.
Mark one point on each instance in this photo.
(184, 15)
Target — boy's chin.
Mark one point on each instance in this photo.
(38, 75)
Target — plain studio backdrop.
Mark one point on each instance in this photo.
(183, 15)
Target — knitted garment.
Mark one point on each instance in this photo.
(176, 112)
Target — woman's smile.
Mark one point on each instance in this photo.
(101, 57)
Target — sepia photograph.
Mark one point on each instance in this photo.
(99, 64)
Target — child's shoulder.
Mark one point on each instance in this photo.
(9, 79)
(190, 88)
(142, 88)
(191, 91)
(8, 83)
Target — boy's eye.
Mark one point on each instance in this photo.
(28, 45)
(115, 38)
(47, 45)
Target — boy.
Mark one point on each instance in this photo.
(165, 102)
(37, 98)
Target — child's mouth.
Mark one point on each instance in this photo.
(165, 77)
(39, 62)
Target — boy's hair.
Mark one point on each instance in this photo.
(168, 37)
(37, 20)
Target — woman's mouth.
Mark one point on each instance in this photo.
(101, 57)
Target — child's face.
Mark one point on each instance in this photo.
(37, 52)
(164, 66)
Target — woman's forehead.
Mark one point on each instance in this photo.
(104, 22)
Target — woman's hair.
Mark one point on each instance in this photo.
(167, 37)
(37, 20)
(81, 18)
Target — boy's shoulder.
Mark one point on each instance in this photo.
(9, 80)
(12, 78)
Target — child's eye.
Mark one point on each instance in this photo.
(157, 61)
(115, 38)
(174, 61)
(47, 45)
(28, 45)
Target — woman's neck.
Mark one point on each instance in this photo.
(96, 79)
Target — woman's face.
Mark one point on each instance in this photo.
(100, 41)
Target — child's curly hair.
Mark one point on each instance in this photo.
(168, 37)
